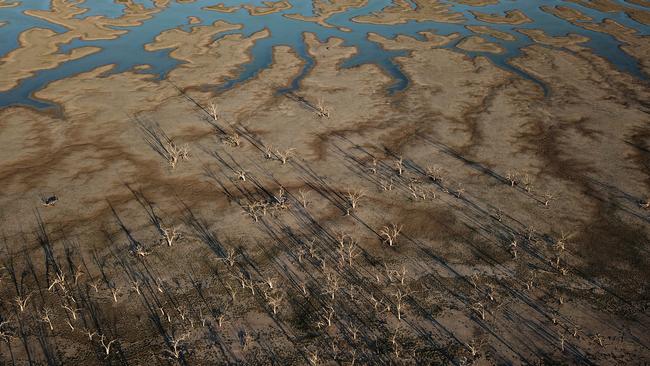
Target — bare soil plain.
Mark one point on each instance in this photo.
(477, 217)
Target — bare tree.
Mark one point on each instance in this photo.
(231, 257)
(302, 197)
(21, 301)
(512, 177)
(474, 347)
(390, 233)
(373, 168)
(73, 311)
(479, 309)
(213, 110)
(275, 300)
(106, 346)
(354, 196)
(176, 153)
(90, 334)
(285, 155)
(58, 280)
(313, 358)
(115, 291)
(268, 152)
(598, 339)
(170, 235)
(513, 248)
(348, 250)
(78, 273)
(232, 139)
(399, 302)
(387, 186)
(548, 197)
(321, 109)
(176, 350)
(46, 317)
(435, 173)
(399, 166)
(241, 175)
(232, 291)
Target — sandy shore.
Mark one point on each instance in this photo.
(513, 17)
(39, 47)
(402, 11)
(268, 8)
(8, 4)
(482, 29)
(38, 50)
(323, 10)
(479, 44)
(541, 37)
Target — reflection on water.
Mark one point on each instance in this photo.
(127, 50)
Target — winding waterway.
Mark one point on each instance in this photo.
(127, 50)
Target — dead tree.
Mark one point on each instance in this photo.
(106, 346)
(213, 110)
(321, 109)
(354, 196)
(46, 317)
(169, 235)
(302, 197)
(285, 155)
(390, 233)
(176, 153)
(176, 350)
(21, 301)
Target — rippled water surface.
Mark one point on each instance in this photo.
(127, 50)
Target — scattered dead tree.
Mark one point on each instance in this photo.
(302, 197)
(46, 317)
(354, 197)
(169, 235)
(348, 251)
(106, 346)
(241, 175)
(399, 302)
(230, 257)
(390, 233)
(321, 109)
(268, 152)
(512, 177)
(21, 301)
(547, 198)
(285, 155)
(176, 153)
(176, 350)
(435, 173)
(232, 139)
(213, 110)
(399, 166)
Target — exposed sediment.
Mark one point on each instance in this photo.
(402, 11)
(479, 44)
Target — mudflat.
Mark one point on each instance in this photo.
(330, 182)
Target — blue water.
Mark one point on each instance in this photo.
(127, 50)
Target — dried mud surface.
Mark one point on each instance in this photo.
(523, 212)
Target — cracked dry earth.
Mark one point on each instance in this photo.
(520, 206)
